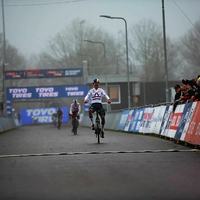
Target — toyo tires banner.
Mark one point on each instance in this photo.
(41, 115)
(43, 92)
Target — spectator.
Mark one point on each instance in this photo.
(192, 82)
(197, 91)
(188, 92)
(185, 95)
(177, 96)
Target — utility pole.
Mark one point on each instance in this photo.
(165, 53)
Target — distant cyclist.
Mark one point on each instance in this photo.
(54, 117)
(96, 95)
(75, 109)
(60, 116)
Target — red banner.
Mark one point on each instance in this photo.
(193, 132)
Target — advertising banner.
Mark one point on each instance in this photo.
(44, 92)
(123, 120)
(144, 120)
(128, 122)
(149, 118)
(193, 132)
(176, 120)
(183, 120)
(169, 117)
(189, 114)
(43, 73)
(157, 119)
(164, 121)
(134, 120)
(41, 115)
(138, 120)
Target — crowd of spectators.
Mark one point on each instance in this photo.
(189, 91)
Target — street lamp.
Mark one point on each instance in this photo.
(165, 52)
(4, 60)
(129, 98)
(104, 53)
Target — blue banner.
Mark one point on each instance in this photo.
(183, 121)
(136, 120)
(43, 73)
(44, 92)
(41, 115)
(123, 120)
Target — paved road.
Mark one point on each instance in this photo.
(134, 174)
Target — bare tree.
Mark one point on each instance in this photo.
(14, 61)
(147, 54)
(190, 51)
(68, 49)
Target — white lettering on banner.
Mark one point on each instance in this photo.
(173, 121)
(191, 127)
(44, 119)
(18, 90)
(81, 93)
(37, 112)
(178, 121)
(71, 88)
(72, 72)
(198, 129)
(53, 94)
(44, 90)
(24, 95)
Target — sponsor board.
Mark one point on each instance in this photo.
(193, 132)
(189, 114)
(41, 115)
(183, 121)
(128, 122)
(44, 92)
(43, 73)
(176, 120)
(157, 119)
(123, 120)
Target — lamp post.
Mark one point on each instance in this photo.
(165, 52)
(127, 60)
(4, 61)
(104, 55)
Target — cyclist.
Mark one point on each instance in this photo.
(54, 117)
(96, 94)
(75, 109)
(60, 116)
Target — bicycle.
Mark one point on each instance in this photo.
(75, 122)
(54, 120)
(97, 126)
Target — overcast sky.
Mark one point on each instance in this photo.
(29, 28)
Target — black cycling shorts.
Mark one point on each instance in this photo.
(97, 106)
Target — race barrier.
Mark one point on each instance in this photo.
(181, 125)
(7, 123)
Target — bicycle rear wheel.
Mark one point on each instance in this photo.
(98, 137)
(75, 125)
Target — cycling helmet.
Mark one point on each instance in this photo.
(96, 80)
(75, 101)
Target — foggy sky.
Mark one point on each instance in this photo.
(29, 28)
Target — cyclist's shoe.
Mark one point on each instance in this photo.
(92, 127)
(102, 134)
(72, 130)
